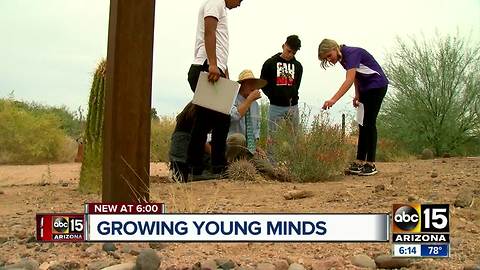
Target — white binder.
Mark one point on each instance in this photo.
(360, 113)
(219, 96)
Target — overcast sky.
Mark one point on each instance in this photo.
(49, 48)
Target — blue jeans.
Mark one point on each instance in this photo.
(277, 113)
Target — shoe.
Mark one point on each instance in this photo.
(368, 169)
(355, 168)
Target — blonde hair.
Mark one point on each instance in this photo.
(325, 47)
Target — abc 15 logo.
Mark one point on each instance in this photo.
(420, 218)
(64, 225)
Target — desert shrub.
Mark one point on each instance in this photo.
(434, 98)
(161, 132)
(28, 138)
(70, 122)
(312, 151)
(242, 170)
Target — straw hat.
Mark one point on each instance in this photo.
(247, 74)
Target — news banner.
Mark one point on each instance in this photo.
(415, 230)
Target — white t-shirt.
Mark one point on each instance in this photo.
(217, 9)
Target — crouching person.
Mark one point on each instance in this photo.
(244, 129)
(180, 139)
(179, 143)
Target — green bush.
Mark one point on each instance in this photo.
(29, 138)
(313, 151)
(434, 98)
(70, 122)
(161, 131)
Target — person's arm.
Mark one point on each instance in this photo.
(242, 108)
(349, 79)
(298, 75)
(357, 94)
(210, 47)
(266, 75)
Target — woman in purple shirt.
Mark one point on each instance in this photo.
(370, 88)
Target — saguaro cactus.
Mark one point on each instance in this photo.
(91, 172)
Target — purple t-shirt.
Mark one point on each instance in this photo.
(369, 74)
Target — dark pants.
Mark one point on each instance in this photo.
(367, 137)
(207, 120)
(178, 155)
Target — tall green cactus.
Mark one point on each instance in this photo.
(91, 172)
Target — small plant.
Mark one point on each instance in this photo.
(46, 178)
(242, 170)
(312, 151)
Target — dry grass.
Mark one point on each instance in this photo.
(184, 198)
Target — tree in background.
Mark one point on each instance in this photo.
(434, 97)
(91, 172)
(154, 114)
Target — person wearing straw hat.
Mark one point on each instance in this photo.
(245, 125)
(241, 131)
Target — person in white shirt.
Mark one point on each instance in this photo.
(211, 55)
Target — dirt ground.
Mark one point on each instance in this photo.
(27, 190)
